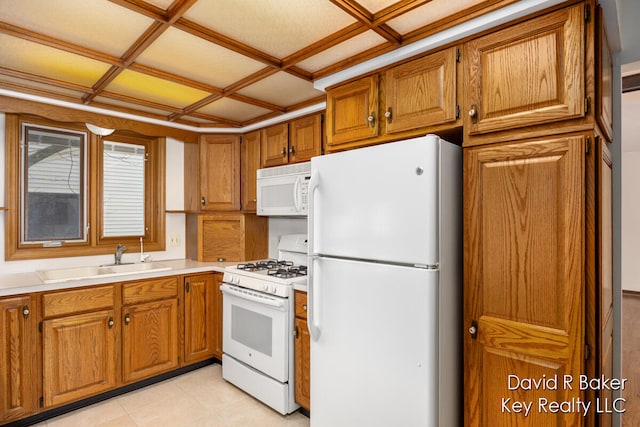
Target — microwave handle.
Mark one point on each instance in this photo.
(296, 191)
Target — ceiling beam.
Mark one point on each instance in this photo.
(360, 13)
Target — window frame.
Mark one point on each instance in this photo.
(96, 244)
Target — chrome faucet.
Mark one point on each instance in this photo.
(118, 255)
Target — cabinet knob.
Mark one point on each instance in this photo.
(284, 151)
(371, 119)
(25, 311)
(388, 114)
(127, 319)
(203, 201)
(304, 307)
(473, 113)
(110, 322)
(292, 150)
(473, 329)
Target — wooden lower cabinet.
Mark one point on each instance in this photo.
(302, 352)
(150, 328)
(79, 356)
(217, 278)
(79, 351)
(200, 312)
(528, 296)
(18, 350)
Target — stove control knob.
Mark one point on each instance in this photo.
(274, 288)
(265, 286)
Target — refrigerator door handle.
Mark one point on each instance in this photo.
(312, 299)
(314, 329)
(314, 182)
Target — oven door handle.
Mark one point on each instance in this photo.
(249, 296)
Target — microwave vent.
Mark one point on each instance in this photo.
(296, 168)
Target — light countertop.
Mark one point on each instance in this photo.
(22, 283)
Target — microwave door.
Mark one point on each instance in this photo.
(276, 196)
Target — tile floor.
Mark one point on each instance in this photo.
(199, 398)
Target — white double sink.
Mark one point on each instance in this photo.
(93, 272)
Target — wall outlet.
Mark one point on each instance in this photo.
(174, 240)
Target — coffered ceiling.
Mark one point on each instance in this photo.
(206, 63)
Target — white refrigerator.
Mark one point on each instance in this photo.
(385, 276)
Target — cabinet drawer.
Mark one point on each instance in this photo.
(150, 290)
(77, 301)
(301, 304)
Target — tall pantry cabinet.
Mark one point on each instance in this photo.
(537, 227)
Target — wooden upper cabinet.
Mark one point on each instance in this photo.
(249, 164)
(275, 145)
(604, 78)
(528, 74)
(18, 349)
(422, 92)
(305, 138)
(524, 285)
(220, 172)
(352, 111)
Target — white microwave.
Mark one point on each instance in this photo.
(283, 190)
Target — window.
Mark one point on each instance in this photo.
(79, 194)
(53, 185)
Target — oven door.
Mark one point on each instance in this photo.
(256, 329)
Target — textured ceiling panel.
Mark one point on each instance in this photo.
(138, 85)
(278, 28)
(86, 23)
(235, 110)
(429, 13)
(344, 50)
(25, 56)
(281, 89)
(197, 59)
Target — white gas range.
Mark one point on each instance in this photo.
(258, 313)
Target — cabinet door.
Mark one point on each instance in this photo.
(604, 293)
(250, 163)
(352, 111)
(199, 317)
(79, 356)
(149, 339)
(524, 228)
(18, 383)
(220, 172)
(302, 351)
(305, 139)
(422, 92)
(217, 278)
(604, 78)
(528, 74)
(274, 148)
(223, 238)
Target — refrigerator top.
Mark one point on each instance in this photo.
(381, 203)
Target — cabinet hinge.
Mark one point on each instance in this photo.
(587, 13)
(587, 351)
(457, 112)
(458, 55)
(41, 402)
(587, 105)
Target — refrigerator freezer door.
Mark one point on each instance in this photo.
(378, 203)
(375, 362)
